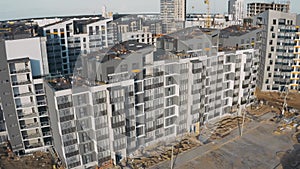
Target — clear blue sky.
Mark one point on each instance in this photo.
(12, 9)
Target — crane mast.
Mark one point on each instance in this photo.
(207, 21)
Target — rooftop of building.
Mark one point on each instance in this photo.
(236, 30)
(117, 52)
(18, 30)
(79, 20)
(50, 17)
(191, 33)
(20, 60)
(60, 82)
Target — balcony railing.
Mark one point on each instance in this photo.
(25, 105)
(33, 145)
(47, 133)
(21, 83)
(41, 91)
(65, 105)
(28, 126)
(41, 102)
(23, 94)
(20, 71)
(67, 118)
(43, 113)
(45, 123)
(31, 136)
(30, 115)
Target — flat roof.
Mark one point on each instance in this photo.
(236, 30)
(118, 51)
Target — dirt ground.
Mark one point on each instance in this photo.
(253, 150)
(275, 99)
(38, 160)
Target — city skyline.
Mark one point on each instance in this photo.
(9, 10)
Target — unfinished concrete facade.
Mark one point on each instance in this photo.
(256, 8)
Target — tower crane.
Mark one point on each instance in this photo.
(207, 21)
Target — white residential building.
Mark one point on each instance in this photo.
(23, 64)
(277, 52)
(135, 95)
(173, 13)
(237, 9)
(67, 39)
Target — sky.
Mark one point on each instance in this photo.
(16, 9)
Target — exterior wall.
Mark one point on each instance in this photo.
(33, 48)
(141, 37)
(169, 98)
(67, 40)
(295, 76)
(173, 13)
(246, 41)
(25, 105)
(11, 119)
(277, 52)
(236, 8)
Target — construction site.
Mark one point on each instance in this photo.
(266, 135)
(35, 160)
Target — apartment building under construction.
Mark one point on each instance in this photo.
(259, 7)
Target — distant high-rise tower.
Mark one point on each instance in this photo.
(104, 13)
(173, 13)
(236, 8)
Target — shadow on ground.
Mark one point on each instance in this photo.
(291, 159)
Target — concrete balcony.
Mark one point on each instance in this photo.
(31, 136)
(29, 126)
(23, 94)
(23, 116)
(41, 91)
(25, 105)
(43, 113)
(21, 83)
(33, 145)
(46, 134)
(26, 70)
(41, 103)
(44, 124)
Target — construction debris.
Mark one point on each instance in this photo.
(276, 99)
(160, 152)
(226, 125)
(289, 121)
(38, 160)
